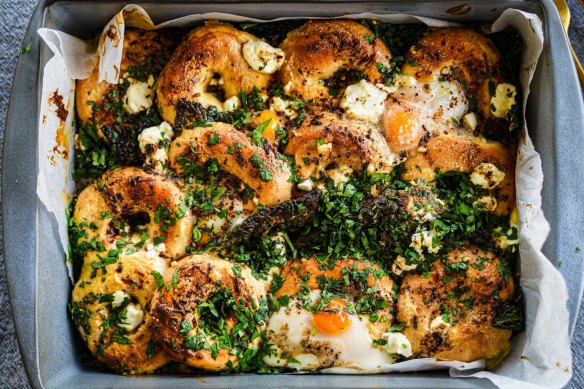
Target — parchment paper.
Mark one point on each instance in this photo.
(540, 356)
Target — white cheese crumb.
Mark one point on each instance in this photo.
(139, 95)
(399, 266)
(262, 57)
(324, 149)
(397, 343)
(134, 316)
(288, 87)
(424, 238)
(470, 121)
(503, 100)
(486, 203)
(306, 185)
(365, 101)
(231, 104)
(278, 104)
(439, 323)
(340, 174)
(487, 176)
(155, 156)
(119, 297)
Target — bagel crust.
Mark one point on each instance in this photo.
(449, 153)
(463, 330)
(176, 317)
(214, 49)
(320, 48)
(130, 191)
(325, 139)
(259, 168)
(98, 319)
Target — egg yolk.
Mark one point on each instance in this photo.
(333, 319)
(402, 129)
(274, 122)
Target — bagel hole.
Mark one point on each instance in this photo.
(129, 224)
(215, 87)
(341, 79)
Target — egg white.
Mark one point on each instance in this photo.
(437, 105)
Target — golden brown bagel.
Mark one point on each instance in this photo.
(326, 139)
(139, 46)
(98, 318)
(450, 153)
(128, 192)
(320, 48)
(214, 49)
(478, 293)
(461, 53)
(175, 310)
(266, 174)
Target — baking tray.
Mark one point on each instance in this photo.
(38, 284)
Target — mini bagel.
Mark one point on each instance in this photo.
(187, 332)
(325, 139)
(259, 168)
(214, 49)
(320, 48)
(461, 53)
(132, 191)
(450, 153)
(465, 333)
(92, 95)
(119, 331)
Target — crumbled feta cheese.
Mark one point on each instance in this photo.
(278, 104)
(439, 324)
(324, 149)
(306, 185)
(149, 141)
(486, 203)
(399, 266)
(231, 104)
(119, 297)
(503, 239)
(397, 343)
(340, 174)
(139, 95)
(262, 57)
(288, 87)
(134, 316)
(470, 121)
(503, 100)
(487, 176)
(365, 101)
(422, 239)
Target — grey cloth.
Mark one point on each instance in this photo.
(14, 16)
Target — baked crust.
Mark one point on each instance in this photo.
(320, 48)
(214, 49)
(476, 294)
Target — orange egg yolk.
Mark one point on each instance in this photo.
(274, 122)
(402, 129)
(333, 319)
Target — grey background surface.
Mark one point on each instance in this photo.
(14, 16)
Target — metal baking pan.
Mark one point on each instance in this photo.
(38, 284)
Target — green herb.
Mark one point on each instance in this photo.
(26, 49)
